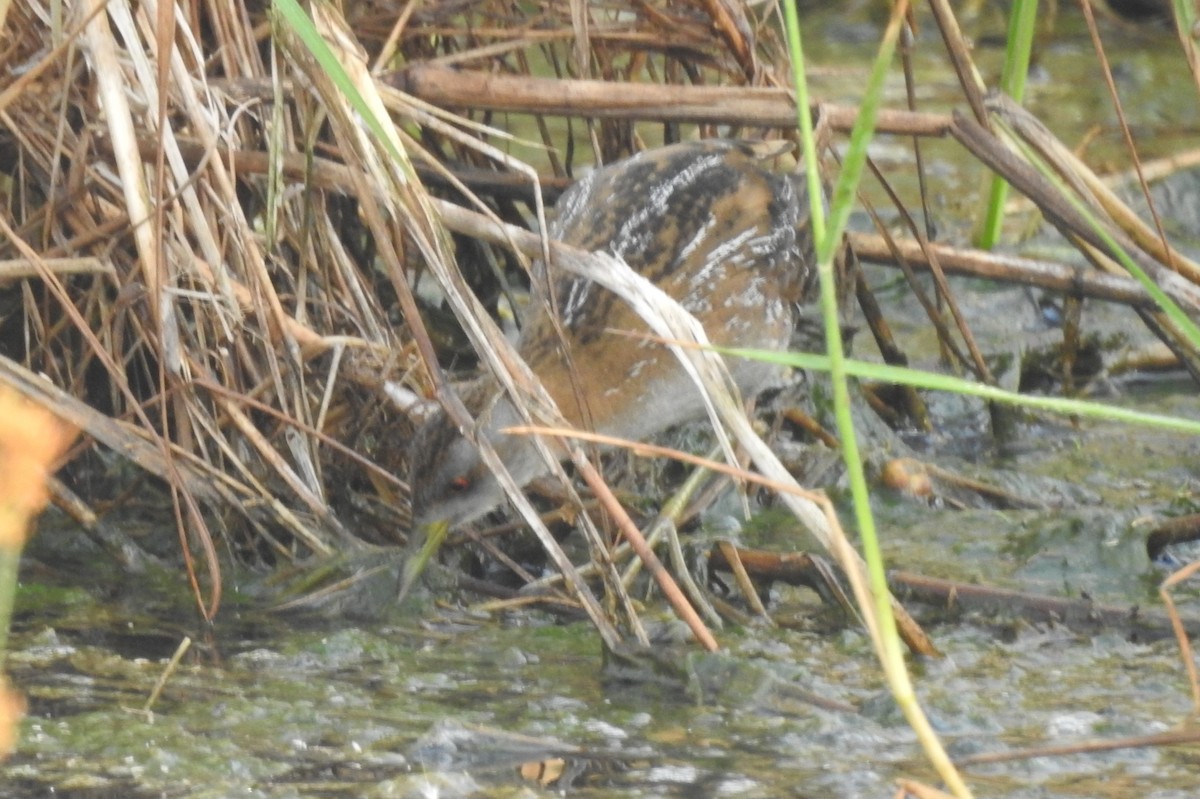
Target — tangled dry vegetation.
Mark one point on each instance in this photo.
(210, 260)
(211, 257)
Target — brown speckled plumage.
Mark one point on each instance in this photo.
(708, 224)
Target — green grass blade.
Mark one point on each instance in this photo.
(932, 381)
(1022, 23)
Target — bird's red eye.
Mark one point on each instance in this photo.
(460, 484)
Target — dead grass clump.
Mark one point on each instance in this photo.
(216, 259)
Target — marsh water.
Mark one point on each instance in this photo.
(464, 701)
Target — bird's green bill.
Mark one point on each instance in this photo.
(424, 545)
